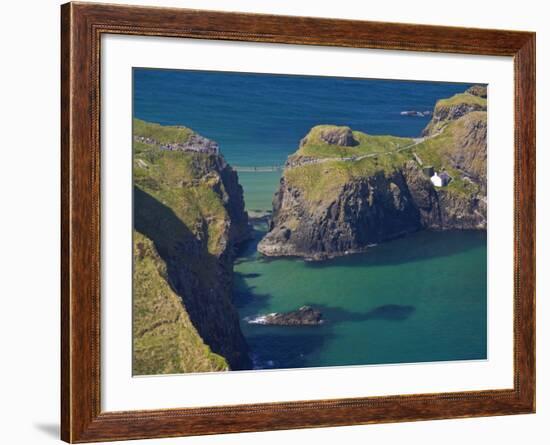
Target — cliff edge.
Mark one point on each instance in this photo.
(188, 218)
(344, 190)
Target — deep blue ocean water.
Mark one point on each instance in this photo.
(417, 299)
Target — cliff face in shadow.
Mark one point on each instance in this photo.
(188, 219)
(453, 108)
(344, 190)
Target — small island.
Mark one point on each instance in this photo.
(344, 190)
(304, 316)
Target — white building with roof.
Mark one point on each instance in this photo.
(440, 180)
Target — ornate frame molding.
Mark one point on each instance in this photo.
(82, 26)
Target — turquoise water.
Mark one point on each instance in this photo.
(259, 189)
(416, 299)
(259, 119)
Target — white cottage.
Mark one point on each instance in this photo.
(440, 180)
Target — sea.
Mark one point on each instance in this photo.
(421, 298)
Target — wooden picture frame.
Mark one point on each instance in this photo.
(82, 26)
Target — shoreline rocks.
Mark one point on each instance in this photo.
(195, 144)
(304, 316)
(366, 211)
(453, 108)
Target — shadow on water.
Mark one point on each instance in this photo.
(297, 346)
(414, 247)
(244, 294)
(386, 312)
(424, 245)
(279, 347)
(251, 275)
(191, 269)
(247, 250)
(276, 348)
(291, 347)
(419, 246)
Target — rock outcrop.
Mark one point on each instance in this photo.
(165, 341)
(173, 138)
(335, 200)
(365, 211)
(304, 316)
(342, 136)
(478, 90)
(189, 211)
(447, 110)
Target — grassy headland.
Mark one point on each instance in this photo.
(182, 250)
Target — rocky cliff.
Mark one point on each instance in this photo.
(446, 110)
(188, 218)
(345, 190)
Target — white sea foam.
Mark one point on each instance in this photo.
(260, 319)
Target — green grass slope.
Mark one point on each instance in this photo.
(322, 181)
(315, 147)
(452, 108)
(177, 204)
(461, 98)
(181, 181)
(161, 133)
(164, 339)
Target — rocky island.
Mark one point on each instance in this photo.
(343, 191)
(188, 219)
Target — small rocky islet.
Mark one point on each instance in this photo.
(304, 316)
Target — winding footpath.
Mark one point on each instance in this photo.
(311, 161)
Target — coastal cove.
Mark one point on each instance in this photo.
(419, 296)
(415, 299)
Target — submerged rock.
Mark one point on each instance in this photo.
(305, 316)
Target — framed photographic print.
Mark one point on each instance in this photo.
(275, 222)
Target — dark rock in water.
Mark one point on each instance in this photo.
(305, 316)
(342, 136)
(415, 113)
